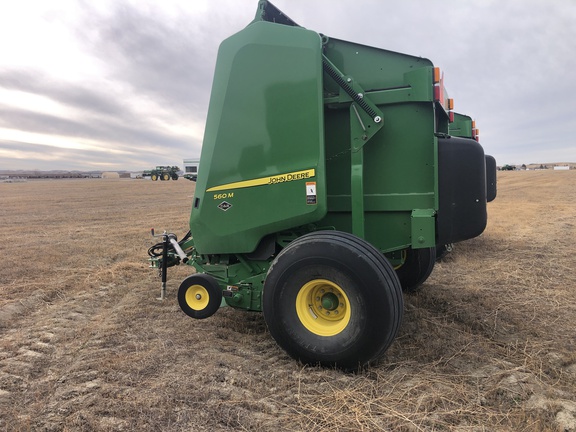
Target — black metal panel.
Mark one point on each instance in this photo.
(490, 178)
(461, 190)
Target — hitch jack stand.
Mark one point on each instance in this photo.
(164, 270)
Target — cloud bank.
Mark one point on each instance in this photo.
(126, 84)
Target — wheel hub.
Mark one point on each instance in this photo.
(323, 307)
(330, 301)
(197, 297)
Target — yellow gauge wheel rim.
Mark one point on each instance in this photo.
(403, 255)
(323, 307)
(197, 297)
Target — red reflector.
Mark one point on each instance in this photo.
(451, 114)
(436, 93)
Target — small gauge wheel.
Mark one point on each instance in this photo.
(199, 296)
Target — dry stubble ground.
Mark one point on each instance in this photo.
(488, 344)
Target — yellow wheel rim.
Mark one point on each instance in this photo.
(197, 297)
(323, 307)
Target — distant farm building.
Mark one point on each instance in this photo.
(110, 175)
(191, 167)
(562, 168)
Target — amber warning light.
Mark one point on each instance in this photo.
(440, 93)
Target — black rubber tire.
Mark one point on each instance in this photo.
(372, 292)
(154, 177)
(165, 177)
(174, 176)
(209, 292)
(417, 268)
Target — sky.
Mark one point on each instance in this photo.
(125, 85)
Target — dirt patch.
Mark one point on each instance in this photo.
(487, 344)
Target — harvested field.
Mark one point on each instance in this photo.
(488, 344)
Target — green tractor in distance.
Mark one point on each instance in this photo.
(327, 178)
(163, 173)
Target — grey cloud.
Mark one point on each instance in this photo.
(102, 116)
(165, 60)
(81, 97)
(129, 137)
(39, 156)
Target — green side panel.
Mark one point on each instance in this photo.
(423, 228)
(374, 68)
(262, 167)
(461, 126)
(400, 160)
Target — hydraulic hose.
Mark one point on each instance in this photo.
(156, 250)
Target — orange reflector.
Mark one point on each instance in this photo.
(436, 75)
(473, 124)
(450, 104)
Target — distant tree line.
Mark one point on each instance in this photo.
(522, 167)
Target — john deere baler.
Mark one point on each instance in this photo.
(327, 177)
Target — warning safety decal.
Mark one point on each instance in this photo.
(311, 193)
